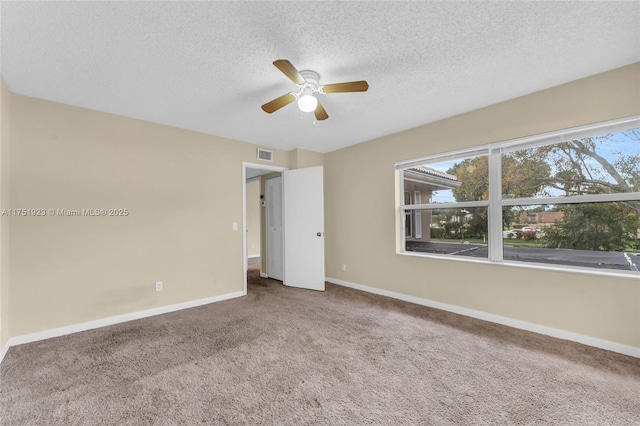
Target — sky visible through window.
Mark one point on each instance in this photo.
(604, 155)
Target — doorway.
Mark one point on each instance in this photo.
(252, 172)
(301, 220)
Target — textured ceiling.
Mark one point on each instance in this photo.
(207, 66)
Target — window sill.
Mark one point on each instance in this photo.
(530, 265)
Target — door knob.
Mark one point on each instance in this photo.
(319, 234)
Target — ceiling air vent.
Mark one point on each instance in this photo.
(265, 154)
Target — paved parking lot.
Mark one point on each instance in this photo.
(586, 258)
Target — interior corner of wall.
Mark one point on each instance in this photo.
(301, 158)
(293, 158)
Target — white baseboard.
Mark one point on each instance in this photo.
(90, 325)
(253, 256)
(263, 275)
(522, 325)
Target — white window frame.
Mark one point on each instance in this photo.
(417, 215)
(407, 214)
(408, 232)
(496, 203)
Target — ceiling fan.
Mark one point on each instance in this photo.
(307, 82)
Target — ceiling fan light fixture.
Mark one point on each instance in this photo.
(308, 84)
(307, 103)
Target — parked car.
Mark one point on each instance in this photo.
(531, 228)
(517, 233)
(513, 233)
(539, 232)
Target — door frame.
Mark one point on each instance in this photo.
(245, 253)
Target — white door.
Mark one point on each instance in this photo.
(274, 228)
(303, 228)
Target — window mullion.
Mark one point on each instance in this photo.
(575, 199)
(403, 217)
(495, 205)
(432, 206)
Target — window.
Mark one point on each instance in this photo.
(453, 214)
(568, 199)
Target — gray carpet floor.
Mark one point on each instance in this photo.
(284, 356)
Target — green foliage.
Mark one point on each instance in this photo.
(509, 215)
(628, 168)
(633, 246)
(524, 174)
(477, 226)
(594, 226)
(452, 229)
(437, 233)
(473, 174)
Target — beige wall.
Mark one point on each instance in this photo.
(302, 158)
(5, 108)
(253, 218)
(360, 216)
(183, 191)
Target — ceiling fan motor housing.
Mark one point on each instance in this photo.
(311, 78)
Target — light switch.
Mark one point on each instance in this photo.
(235, 226)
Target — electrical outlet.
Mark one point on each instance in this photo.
(344, 268)
(158, 285)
